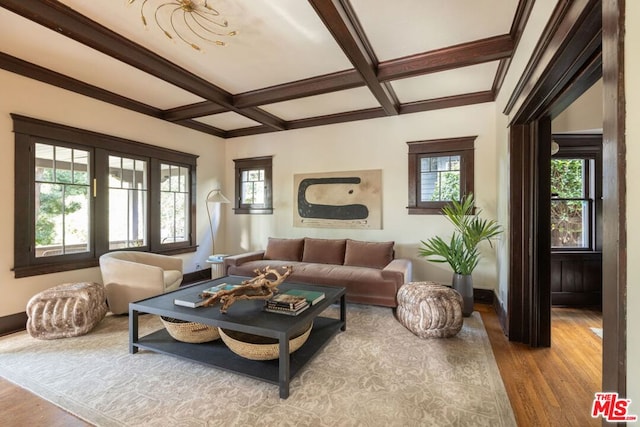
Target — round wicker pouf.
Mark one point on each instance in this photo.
(430, 310)
(190, 332)
(255, 347)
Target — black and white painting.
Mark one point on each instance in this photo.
(350, 199)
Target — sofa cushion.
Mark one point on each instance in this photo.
(368, 254)
(284, 249)
(324, 251)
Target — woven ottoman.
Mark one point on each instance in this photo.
(429, 309)
(66, 310)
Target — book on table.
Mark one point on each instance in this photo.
(312, 297)
(193, 300)
(217, 288)
(287, 311)
(197, 298)
(285, 300)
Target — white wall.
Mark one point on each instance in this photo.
(371, 144)
(539, 17)
(584, 114)
(34, 99)
(632, 93)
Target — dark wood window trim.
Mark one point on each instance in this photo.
(254, 163)
(462, 146)
(27, 132)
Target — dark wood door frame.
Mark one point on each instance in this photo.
(583, 41)
(614, 261)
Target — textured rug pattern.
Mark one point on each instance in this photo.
(376, 373)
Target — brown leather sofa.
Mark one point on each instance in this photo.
(367, 269)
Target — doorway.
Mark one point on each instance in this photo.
(586, 43)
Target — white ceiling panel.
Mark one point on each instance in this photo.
(36, 44)
(321, 105)
(471, 79)
(276, 49)
(277, 41)
(228, 121)
(405, 27)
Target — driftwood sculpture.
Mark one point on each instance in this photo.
(260, 287)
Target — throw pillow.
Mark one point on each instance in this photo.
(324, 251)
(368, 254)
(284, 249)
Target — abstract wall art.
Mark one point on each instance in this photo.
(351, 199)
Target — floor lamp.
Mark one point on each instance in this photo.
(214, 196)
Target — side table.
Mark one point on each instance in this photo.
(217, 268)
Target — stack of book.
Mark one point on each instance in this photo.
(292, 302)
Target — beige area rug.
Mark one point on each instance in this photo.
(376, 373)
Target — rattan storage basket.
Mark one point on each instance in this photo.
(191, 332)
(255, 347)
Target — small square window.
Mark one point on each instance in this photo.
(439, 171)
(253, 186)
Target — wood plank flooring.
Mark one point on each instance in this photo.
(546, 387)
(551, 386)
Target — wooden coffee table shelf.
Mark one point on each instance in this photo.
(244, 316)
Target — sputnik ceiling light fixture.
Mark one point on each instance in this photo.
(186, 19)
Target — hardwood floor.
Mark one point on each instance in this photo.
(551, 386)
(20, 407)
(546, 387)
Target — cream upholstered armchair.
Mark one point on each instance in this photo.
(131, 276)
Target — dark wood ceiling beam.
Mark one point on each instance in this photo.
(447, 102)
(373, 113)
(369, 113)
(336, 17)
(462, 55)
(254, 130)
(342, 80)
(36, 72)
(61, 18)
(199, 109)
(202, 127)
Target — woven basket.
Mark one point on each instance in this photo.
(255, 347)
(191, 332)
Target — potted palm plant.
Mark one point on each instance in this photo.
(461, 250)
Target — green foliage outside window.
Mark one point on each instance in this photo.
(567, 216)
(447, 187)
(55, 202)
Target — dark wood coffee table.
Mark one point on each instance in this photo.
(244, 316)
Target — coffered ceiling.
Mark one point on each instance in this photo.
(292, 63)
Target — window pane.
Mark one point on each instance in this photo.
(439, 178)
(252, 187)
(44, 163)
(569, 223)
(127, 203)
(80, 167)
(174, 204)
(62, 210)
(63, 156)
(140, 176)
(567, 178)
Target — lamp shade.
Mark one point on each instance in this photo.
(216, 196)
